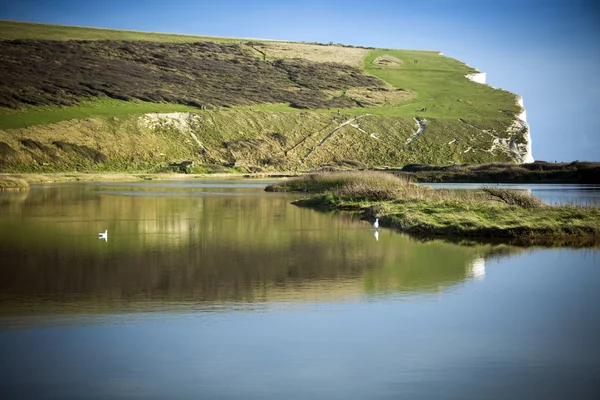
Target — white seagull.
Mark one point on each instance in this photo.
(376, 224)
(103, 235)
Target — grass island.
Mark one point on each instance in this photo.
(488, 213)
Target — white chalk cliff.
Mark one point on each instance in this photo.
(478, 77)
(523, 119)
(522, 152)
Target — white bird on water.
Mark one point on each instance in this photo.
(103, 235)
(376, 224)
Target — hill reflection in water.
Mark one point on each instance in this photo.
(185, 246)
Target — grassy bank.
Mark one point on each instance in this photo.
(13, 183)
(400, 204)
(28, 178)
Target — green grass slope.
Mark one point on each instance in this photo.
(440, 85)
(80, 99)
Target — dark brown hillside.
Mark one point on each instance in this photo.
(44, 72)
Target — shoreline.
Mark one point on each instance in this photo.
(539, 172)
(576, 172)
(369, 213)
(414, 209)
(58, 177)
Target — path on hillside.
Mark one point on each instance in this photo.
(420, 127)
(306, 138)
(331, 134)
(497, 139)
(374, 136)
(481, 130)
(506, 144)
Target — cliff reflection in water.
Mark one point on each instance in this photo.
(171, 247)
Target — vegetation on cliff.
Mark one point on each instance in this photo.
(253, 105)
(202, 74)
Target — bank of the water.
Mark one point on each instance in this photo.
(490, 213)
(122, 176)
(559, 173)
(539, 172)
(13, 183)
(452, 217)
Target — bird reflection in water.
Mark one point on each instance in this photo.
(477, 269)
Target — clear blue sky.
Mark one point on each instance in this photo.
(546, 51)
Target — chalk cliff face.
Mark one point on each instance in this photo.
(523, 118)
(519, 142)
(478, 77)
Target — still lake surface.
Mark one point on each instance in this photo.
(216, 289)
(550, 193)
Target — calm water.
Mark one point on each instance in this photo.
(215, 289)
(549, 193)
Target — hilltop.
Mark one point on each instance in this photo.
(86, 99)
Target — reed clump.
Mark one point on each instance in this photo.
(365, 185)
(514, 197)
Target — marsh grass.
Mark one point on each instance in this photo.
(377, 185)
(8, 183)
(366, 185)
(489, 212)
(488, 218)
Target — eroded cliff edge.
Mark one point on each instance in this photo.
(519, 140)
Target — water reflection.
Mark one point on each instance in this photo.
(245, 296)
(477, 270)
(584, 195)
(175, 252)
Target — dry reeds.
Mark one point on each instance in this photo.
(370, 185)
(514, 197)
(12, 183)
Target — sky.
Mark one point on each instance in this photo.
(546, 51)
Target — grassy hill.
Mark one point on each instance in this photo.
(88, 99)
